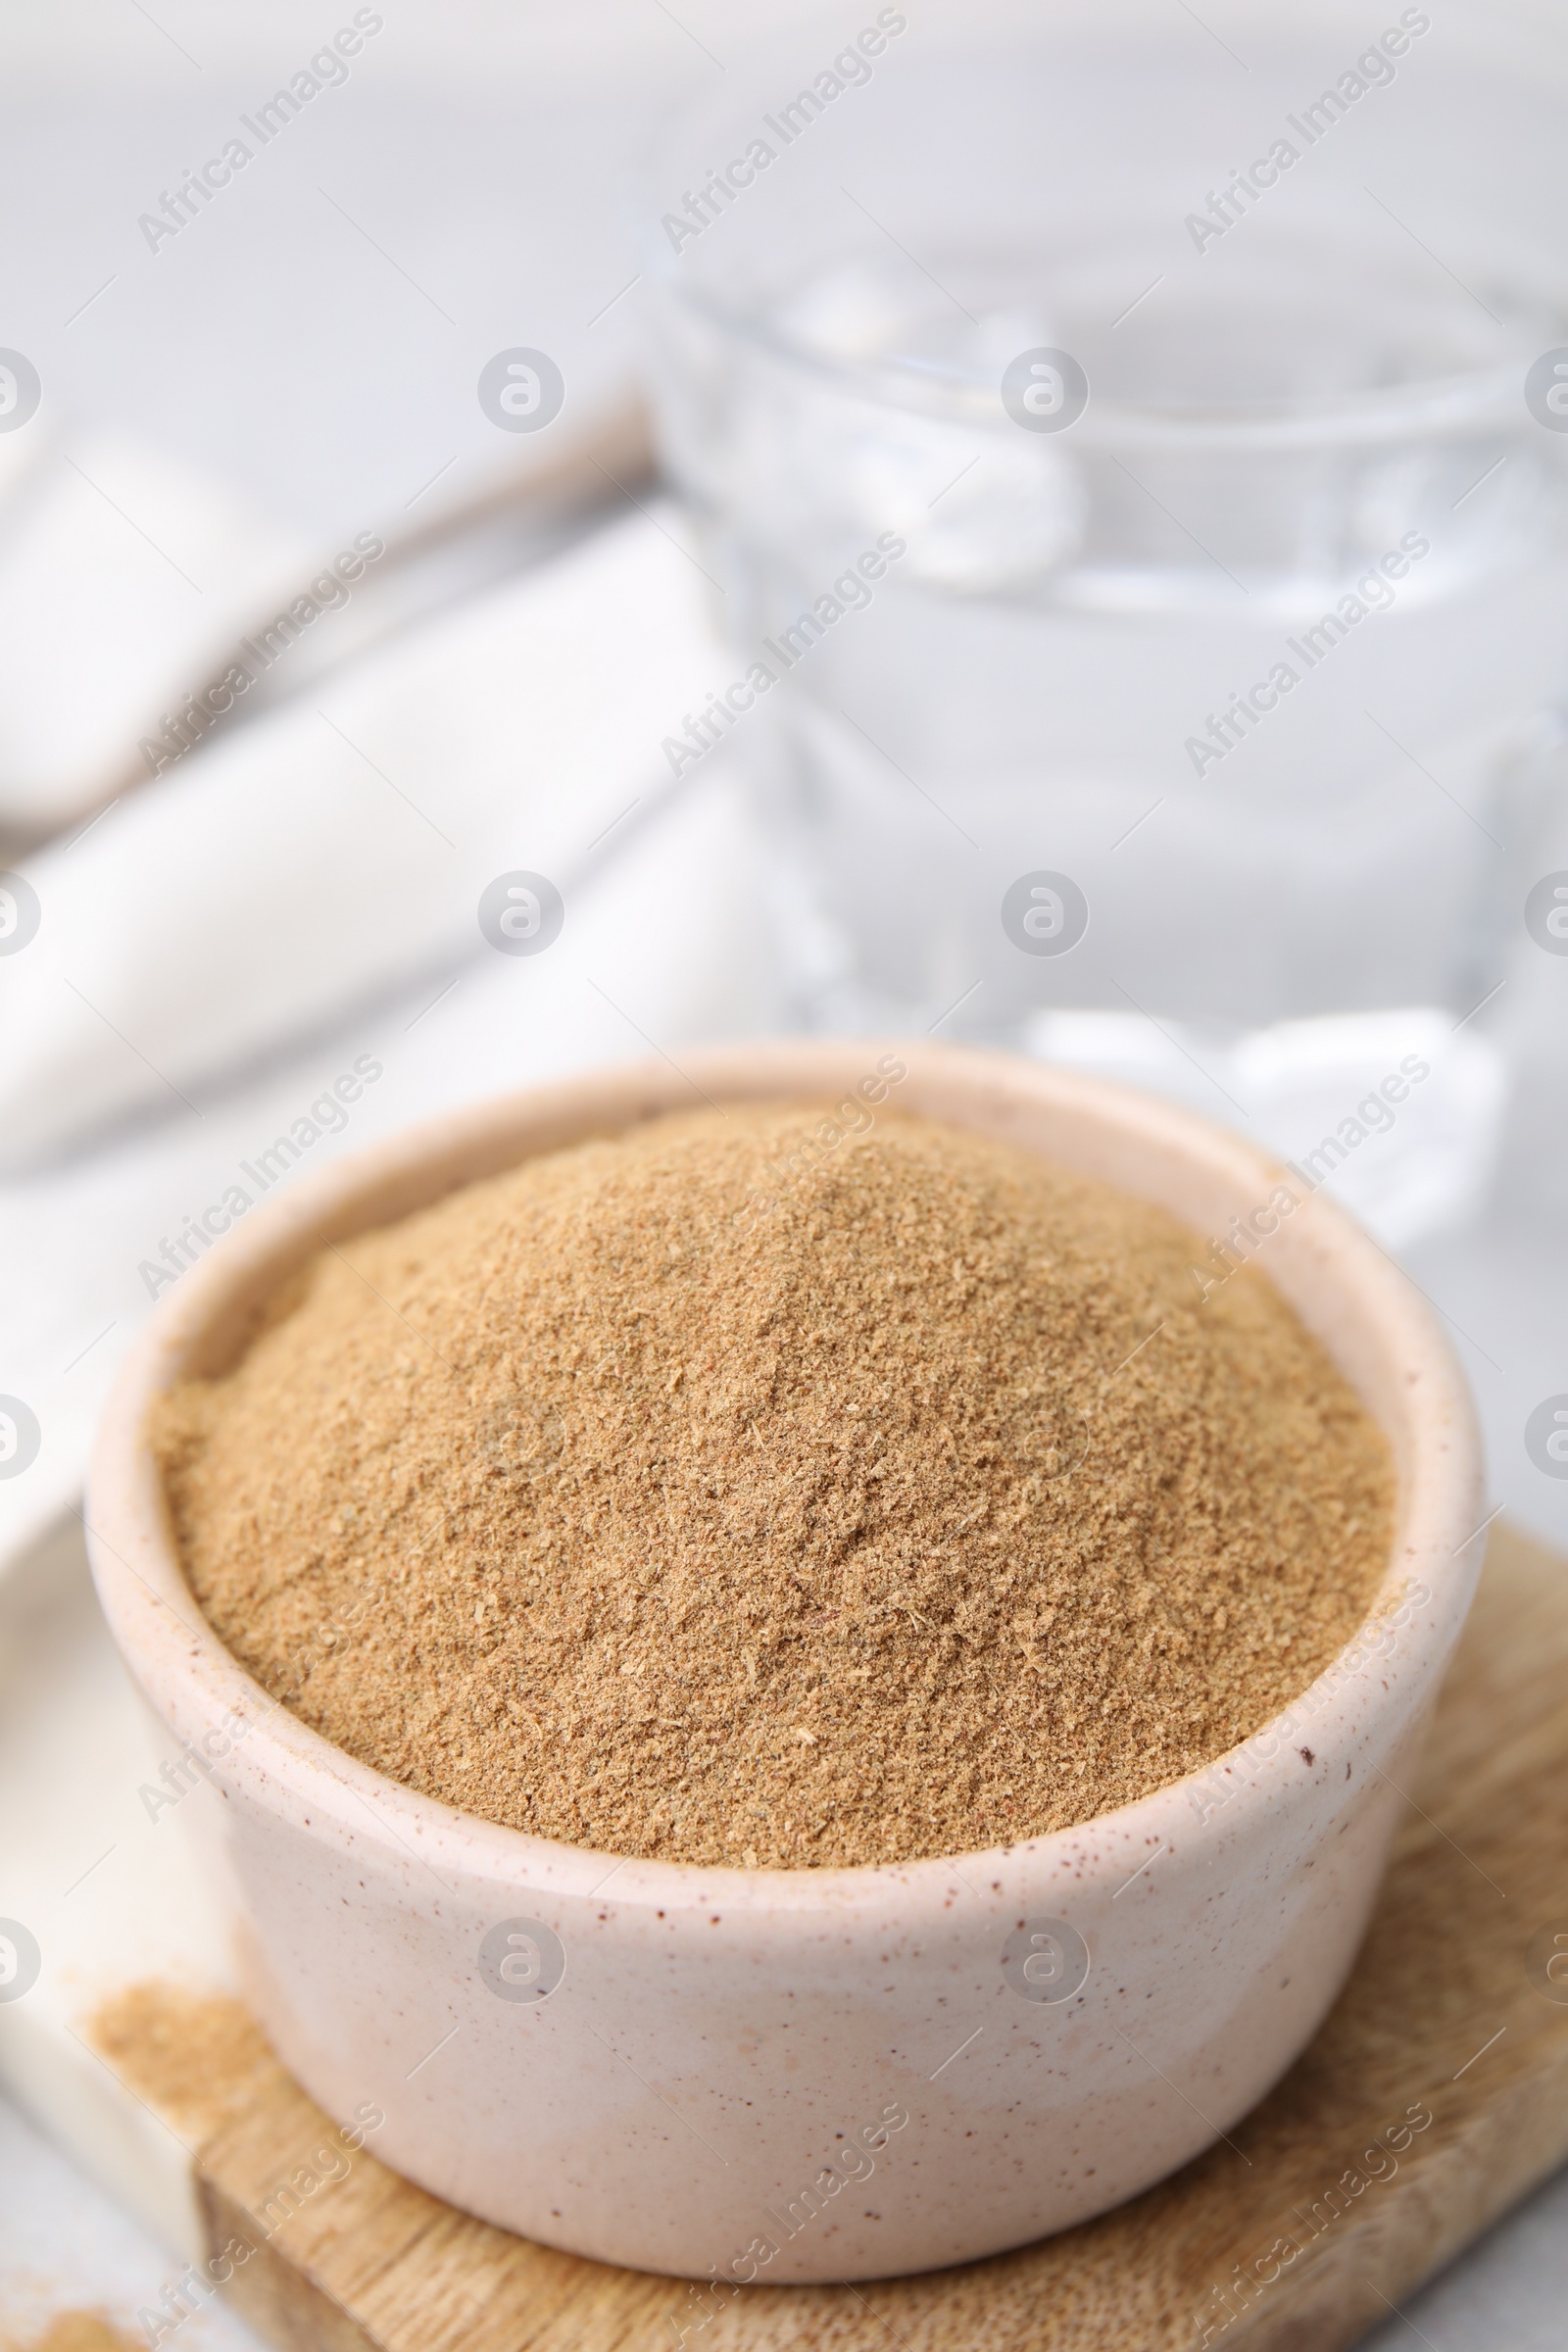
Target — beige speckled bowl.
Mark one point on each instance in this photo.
(809, 2075)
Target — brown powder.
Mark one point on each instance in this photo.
(193, 2057)
(649, 1499)
(83, 2331)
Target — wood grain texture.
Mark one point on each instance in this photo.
(1246, 2248)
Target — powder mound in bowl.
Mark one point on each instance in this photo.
(662, 1498)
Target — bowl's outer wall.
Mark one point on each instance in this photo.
(683, 2100)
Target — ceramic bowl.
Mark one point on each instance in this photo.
(814, 2074)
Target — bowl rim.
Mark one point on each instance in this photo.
(176, 1655)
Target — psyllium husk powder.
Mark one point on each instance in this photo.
(684, 1495)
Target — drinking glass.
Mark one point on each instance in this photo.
(1130, 458)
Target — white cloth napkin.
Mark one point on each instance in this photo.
(321, 852)
(126, 578)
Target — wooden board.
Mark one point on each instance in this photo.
(1450, 2013)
